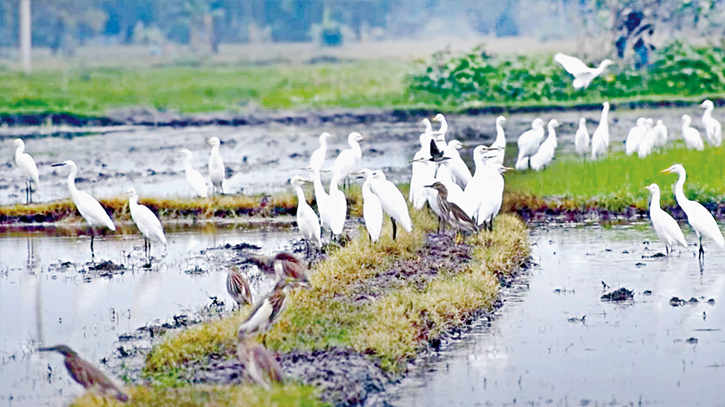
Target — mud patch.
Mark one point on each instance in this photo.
(620, 295)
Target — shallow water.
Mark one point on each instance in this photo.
(44, 303)
(536, 352)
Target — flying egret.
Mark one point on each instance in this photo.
(423, 172)
(713, 130)
(634, 138)
(691, 135)
(318, 156)
(307, 221)
(260, 365)
(698, 216)
(266, 312)
(648, 140)
(581, 139)
(348, 159)
(216, 166)
(392, 201)
(545, 154)
(85, 374)
(337, 206)
(459, 170)
(660, 134)
(146, 221)
(322, 198)
(439, 136)
(27, 166)
(238, 287)
(499, 145)
(194, 177)
(529, 143)
(452, 213)
(372, 209)
(90, 209)
(583, 75)
(665, 225)
(600, 138)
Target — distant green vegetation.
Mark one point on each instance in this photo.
(679, 70)
(618, 181)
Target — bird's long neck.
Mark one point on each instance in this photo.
(334, 181)
(300, 195)
(500, 135)
(19, 151)
(444, 127)
(679, 189)
(72, 180)
(598, 70)
(655, 204)
(356, 148)
(133, 201)
(552, 133)
(215, 150)
(708, 112)
(605, 114)
(317, 182)
(187, 166)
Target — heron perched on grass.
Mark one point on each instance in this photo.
(452, 213)
(266, 312)
(90, 209)
(27, 166)
(146, 221)
(216, 166)
(698, 216)
(85, 374)
(665, 225)
(194, 177)
(307, 221)
(238, 287)
(260, 365)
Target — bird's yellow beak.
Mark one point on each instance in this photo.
(508, 168)
(435, 119)
(667, 170)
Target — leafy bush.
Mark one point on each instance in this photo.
(678, 69)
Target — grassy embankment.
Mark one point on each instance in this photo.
(353, 305)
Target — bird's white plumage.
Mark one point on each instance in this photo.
(194, 177)
(545, 154)
(459, 170)
(713, 129)
(500, 142)
(337, 206)
(529, 143)
(372, 209)
(581, 138)
(307, 221)
(583, 75)
(348, 159)
(646, 145)
(90, 209)
(440, 135)
(25, 162)
(600, 138)
(665, 225)
(259, 321)
(660, 134)
(491, 205)
(317, 159)
(444, 176)
(634, 137)
(216, 166)
(691, 135)
(423, 173)
(145, 220)
(391, 199)
(322, 198)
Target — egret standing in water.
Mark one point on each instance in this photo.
(90, 209)
(698, 216)
(583, 75)
(665, 225)
(581, 139)
(318, 156)
(216, 166)
(146, 221)
(691, 135)
(194, 177)
(27, 166)
(713, 130)
(307, 221)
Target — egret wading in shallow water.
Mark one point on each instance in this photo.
(27, 166)
(583, 75)
(85, 374)
(216, 166)
(194, 177)
(691, 135)
(260, 365)
(90, 209)
(372, 209)
(499, 145)
(146, 221)
(529, 143)
(634, 138)
(318, 156)
(348, 159)
(701, 220)
(665, 225)
(451, 213)
(713, 130)
(600, 138)
(581, 139)
(307, 221)
(545, 155)
(238, 287)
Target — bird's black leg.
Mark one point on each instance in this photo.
(93, 255)
(702, 251)
(395, 228)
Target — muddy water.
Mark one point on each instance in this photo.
(539, 351)
(261, 158)
(47, 299)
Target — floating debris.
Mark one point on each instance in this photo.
(640, 264)
(196, 271)
(654, 256)
(693, 300)
(711, 301)
(676, 302)
(575, 320)
(622, 294)
(647, 292)
(691, 340)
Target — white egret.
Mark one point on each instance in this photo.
(545, 154)
(665, 225)
(307, 221)
(194, 177)
(318, 156)
(583, 75)
(691, 135)
(478, 188)
(440, 135)
(216, 166)
(423, 173)
(648, 140)
(529, 143)
(146, 221)
(428, 126)
(634, 138)
(491, 205)
(698, 216)
(27, 166)
(500, 143)
(372, 209)
(348, 159)
(713, 130)
(581, 139)
(322, 198)
(600, 138)
(337, 206)
(90, 209)
(459, 170)
(392, 201)
(659, 132)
